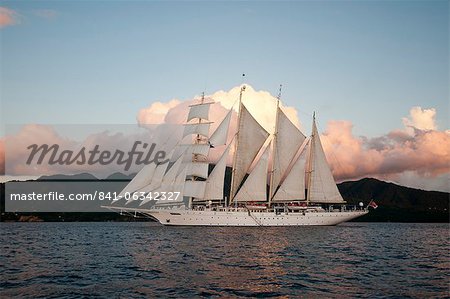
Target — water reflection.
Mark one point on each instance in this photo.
(142, 259)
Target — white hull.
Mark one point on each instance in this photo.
(181, 217)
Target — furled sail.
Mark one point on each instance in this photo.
(199, 111)
(322, 187)
(255, 186)
(251, 137)
(219, 137)
(216, 180)
(287, 142)
(293, 186)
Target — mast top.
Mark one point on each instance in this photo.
(240, 94)
(279, 92)
(242, 83)
(313, 124)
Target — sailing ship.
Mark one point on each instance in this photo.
(278, 179)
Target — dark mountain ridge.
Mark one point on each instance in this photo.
(117, 176)
(395, 203)
(394, 195)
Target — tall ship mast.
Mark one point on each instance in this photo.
(279, 179)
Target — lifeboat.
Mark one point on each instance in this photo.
(297, 206)
(256, 206)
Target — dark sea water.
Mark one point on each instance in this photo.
(133, 260)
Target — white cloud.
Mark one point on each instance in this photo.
(156, 112)
(260, 103)
(419, 118)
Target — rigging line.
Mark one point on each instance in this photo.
(253, 217)
(308, 115)
(304, 116)
(233, 170)
(274, 154)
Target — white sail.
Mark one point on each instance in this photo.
(293, 186)
(188, 150)
(156, 179)
(198, 169)
(216, 180)
(255, 186)
(171, 174)
(180, 150)
(195, 189)
(197, 149)
(219, 137)
(287, 142)
(199, 111)
(167, 194)
(140, 180)
(200, 129)
(167, 180)
(322, 187)
(180, 181)
(153, 178)
(251, 137)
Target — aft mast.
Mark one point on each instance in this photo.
(236, 146)
(274, 142)
(310, 162)
(321, 184)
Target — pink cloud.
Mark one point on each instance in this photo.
(156, 112)
(417, 154)
(416, 151)
(17, 152)
(261, 103)
(401, 155)
(8, 17)
(346, 153)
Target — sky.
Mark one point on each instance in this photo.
(102, 62)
